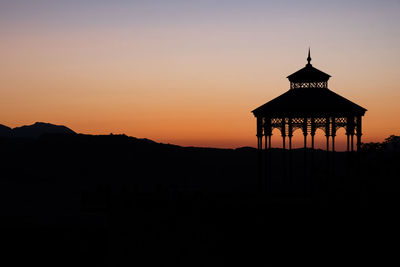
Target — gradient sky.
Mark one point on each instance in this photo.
(190, 72)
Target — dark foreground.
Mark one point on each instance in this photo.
(116, 201)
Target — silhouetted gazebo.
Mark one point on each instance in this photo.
(309, 105)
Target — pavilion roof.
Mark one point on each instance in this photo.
(309, 101)
(308, 74)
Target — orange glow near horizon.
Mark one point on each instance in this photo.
(193, 82)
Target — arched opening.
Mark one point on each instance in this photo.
(276, 140)
(341, 139)
(298, 139)
(320, 139)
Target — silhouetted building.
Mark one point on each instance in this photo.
(309, 105)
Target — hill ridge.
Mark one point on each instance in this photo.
(33, 131)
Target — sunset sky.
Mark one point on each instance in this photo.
(190, 72)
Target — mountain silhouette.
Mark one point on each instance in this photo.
(34, 131)
(5, 131)
(72, 195)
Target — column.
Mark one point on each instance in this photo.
(359, 133)
(259, 133)
(327, 131)
(290, 133)
(327, 134)
(305, 132)
(265, 178)
(267, 134)
(269, 143)
(260, 155)
(333, 133)
(350, 133)
(313, 129)
(269, 158)
(352, 142)
(283, 132)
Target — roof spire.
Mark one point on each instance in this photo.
(309, 57)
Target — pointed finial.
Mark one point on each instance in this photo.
(309, 57)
